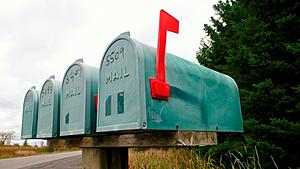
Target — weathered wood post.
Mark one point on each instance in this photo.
(105, 158)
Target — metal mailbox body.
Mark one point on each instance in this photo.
(29, 117)
(201, 99)
(48, 112)
(77, 109)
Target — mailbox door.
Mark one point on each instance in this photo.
(121, 87)
(30, 105)
(45, 113)
(73, 105)
(48, 112)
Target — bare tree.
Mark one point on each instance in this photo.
(6, 137)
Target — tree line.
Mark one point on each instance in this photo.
(258, 44)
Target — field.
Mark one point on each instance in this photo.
(177, 158)
(16, 151)
(164, 158)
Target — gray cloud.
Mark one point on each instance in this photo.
(37, 32)
(32, 35)
(7, 103)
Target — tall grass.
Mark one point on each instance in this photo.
(161, 158)
(183, 158)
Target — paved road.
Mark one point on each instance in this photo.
(65, 160)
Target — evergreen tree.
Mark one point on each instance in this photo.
(25, 144)
(258, 44)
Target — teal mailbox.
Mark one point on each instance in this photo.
(48, 112)
(200, 99)
(77, 109)
(30, 108)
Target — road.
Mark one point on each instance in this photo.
(65, 160)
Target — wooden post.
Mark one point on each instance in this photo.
(92, 157)
(105, 158)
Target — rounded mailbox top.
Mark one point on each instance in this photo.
(118, 48)
(49, 90)
(31, 97)
(75, 71)
(120, 58)
(74, 81)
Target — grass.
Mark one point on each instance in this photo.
(184, 158)
(18, 151)
(171, 158)
(160, 158)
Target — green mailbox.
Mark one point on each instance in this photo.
(200, 99)
(77, 109)
(48, 112)
(30, 108)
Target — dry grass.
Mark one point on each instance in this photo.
(12, 151)
(172, 158)
(184, 158)
(159, 158)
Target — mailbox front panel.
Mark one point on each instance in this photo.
(73, 105)
(30, 106)
(120, 88)
(48, 113)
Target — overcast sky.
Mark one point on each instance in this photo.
(40, 38)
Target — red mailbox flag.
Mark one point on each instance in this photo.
(160, 89)
(96, 102)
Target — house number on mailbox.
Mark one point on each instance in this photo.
(121, 71)
(28, 101)
(46, 92)
(115, 61)
(74, 88)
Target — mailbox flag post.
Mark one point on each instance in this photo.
(160, 89)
